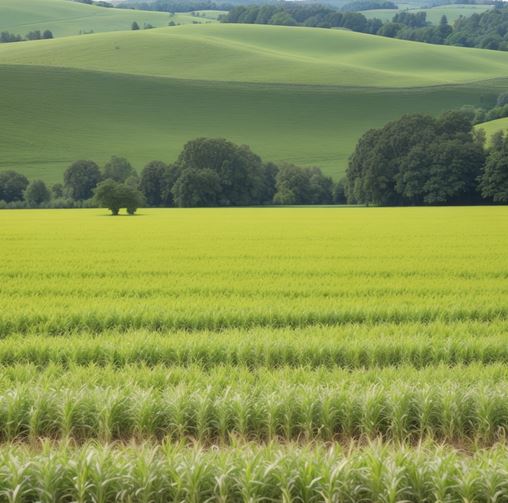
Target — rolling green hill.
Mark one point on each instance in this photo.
(54, 116)
(293, 94)
(64, 17)
(434, 14)
(257, 53)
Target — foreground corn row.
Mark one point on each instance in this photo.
(449, 412)
(296, 355)
(251, 473)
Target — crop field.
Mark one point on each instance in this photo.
(65, 18)
(293, 94)
(268, 354)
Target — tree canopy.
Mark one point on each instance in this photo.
(115, 195)
(80, 178)
(417, 159)
(118, 169)
(12, 186)
(236, 175)
(37, 193)
(494, 177)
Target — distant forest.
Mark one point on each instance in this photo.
(488, 30)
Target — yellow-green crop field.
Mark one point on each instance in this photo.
(258, 355)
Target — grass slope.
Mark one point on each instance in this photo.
(297, 95)
(434, 14)
(492, 127)
(54, 116)
(254, 53)
(64, 17)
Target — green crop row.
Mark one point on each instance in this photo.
(203, 314)
(250, 473)
(162, 377)
(348, 346)
(450, 412)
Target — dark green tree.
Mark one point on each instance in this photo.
(37, 193)
(295, 185)
(57, 190)
(283, 19)
(171, 174)
(12, 186)
(118, 169)
(114, 196)
(197, 188)
(152, 182)
(134, 26)
(240, 172)
(320, 187)
(445, 29)
(339, 192)
(494, 178)
(452, 172)
(417, 160)
(81, 178)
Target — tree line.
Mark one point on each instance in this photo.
(176, 5)
(415, 160)
(497, 110)
(488, 30)
(208, 172)
(360, 5)
(422, 160)
(6, 37)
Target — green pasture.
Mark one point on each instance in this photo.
(65, 17)
(296, 95)
(268, 54)
(494, 126)
(53, 116)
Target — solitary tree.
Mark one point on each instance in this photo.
(80, 178)
(114, 196)
(37, 193)
(12, 186)
(134, 26)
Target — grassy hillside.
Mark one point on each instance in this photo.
(434, 14)
(494, 126)
(297, 95)
(64, 17)
(256, 53)
(94, 115)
